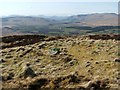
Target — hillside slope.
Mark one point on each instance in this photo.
(104, 19)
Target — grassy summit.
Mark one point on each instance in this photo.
(59, 62)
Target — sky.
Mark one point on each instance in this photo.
(53, 8)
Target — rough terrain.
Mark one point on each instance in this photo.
(32, 62)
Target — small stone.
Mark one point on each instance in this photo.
(63, 53)
(26, 52)
(20, 49)
(9, 56)
(117, 60)
(96, 62)
(40, 53)
(72, 62)
(91, 59)
(42, 45)
(38, 60)
(88, 85)
(2, 61)
(67, 59)
(93, 85)
(87, 64)
(7, 77)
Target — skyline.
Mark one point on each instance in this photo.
(58, 1)
(56, 8)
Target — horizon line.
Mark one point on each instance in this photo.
(58, 15)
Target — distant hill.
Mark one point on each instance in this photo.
(105, 19)
(24, 20)
(56, 25)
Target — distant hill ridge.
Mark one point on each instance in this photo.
(55, 24)
(96, 19)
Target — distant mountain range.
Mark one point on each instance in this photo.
(56, 24)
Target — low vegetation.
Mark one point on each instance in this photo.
(53, 62)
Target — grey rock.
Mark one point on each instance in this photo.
(72, 62)
(26, 72)
(20, 49)
(42, 45)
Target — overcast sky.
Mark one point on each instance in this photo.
(25, 7)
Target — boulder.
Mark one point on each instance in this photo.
(26, 71)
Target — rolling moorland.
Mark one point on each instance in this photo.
(60, 53)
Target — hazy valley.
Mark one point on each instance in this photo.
(56, 25)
